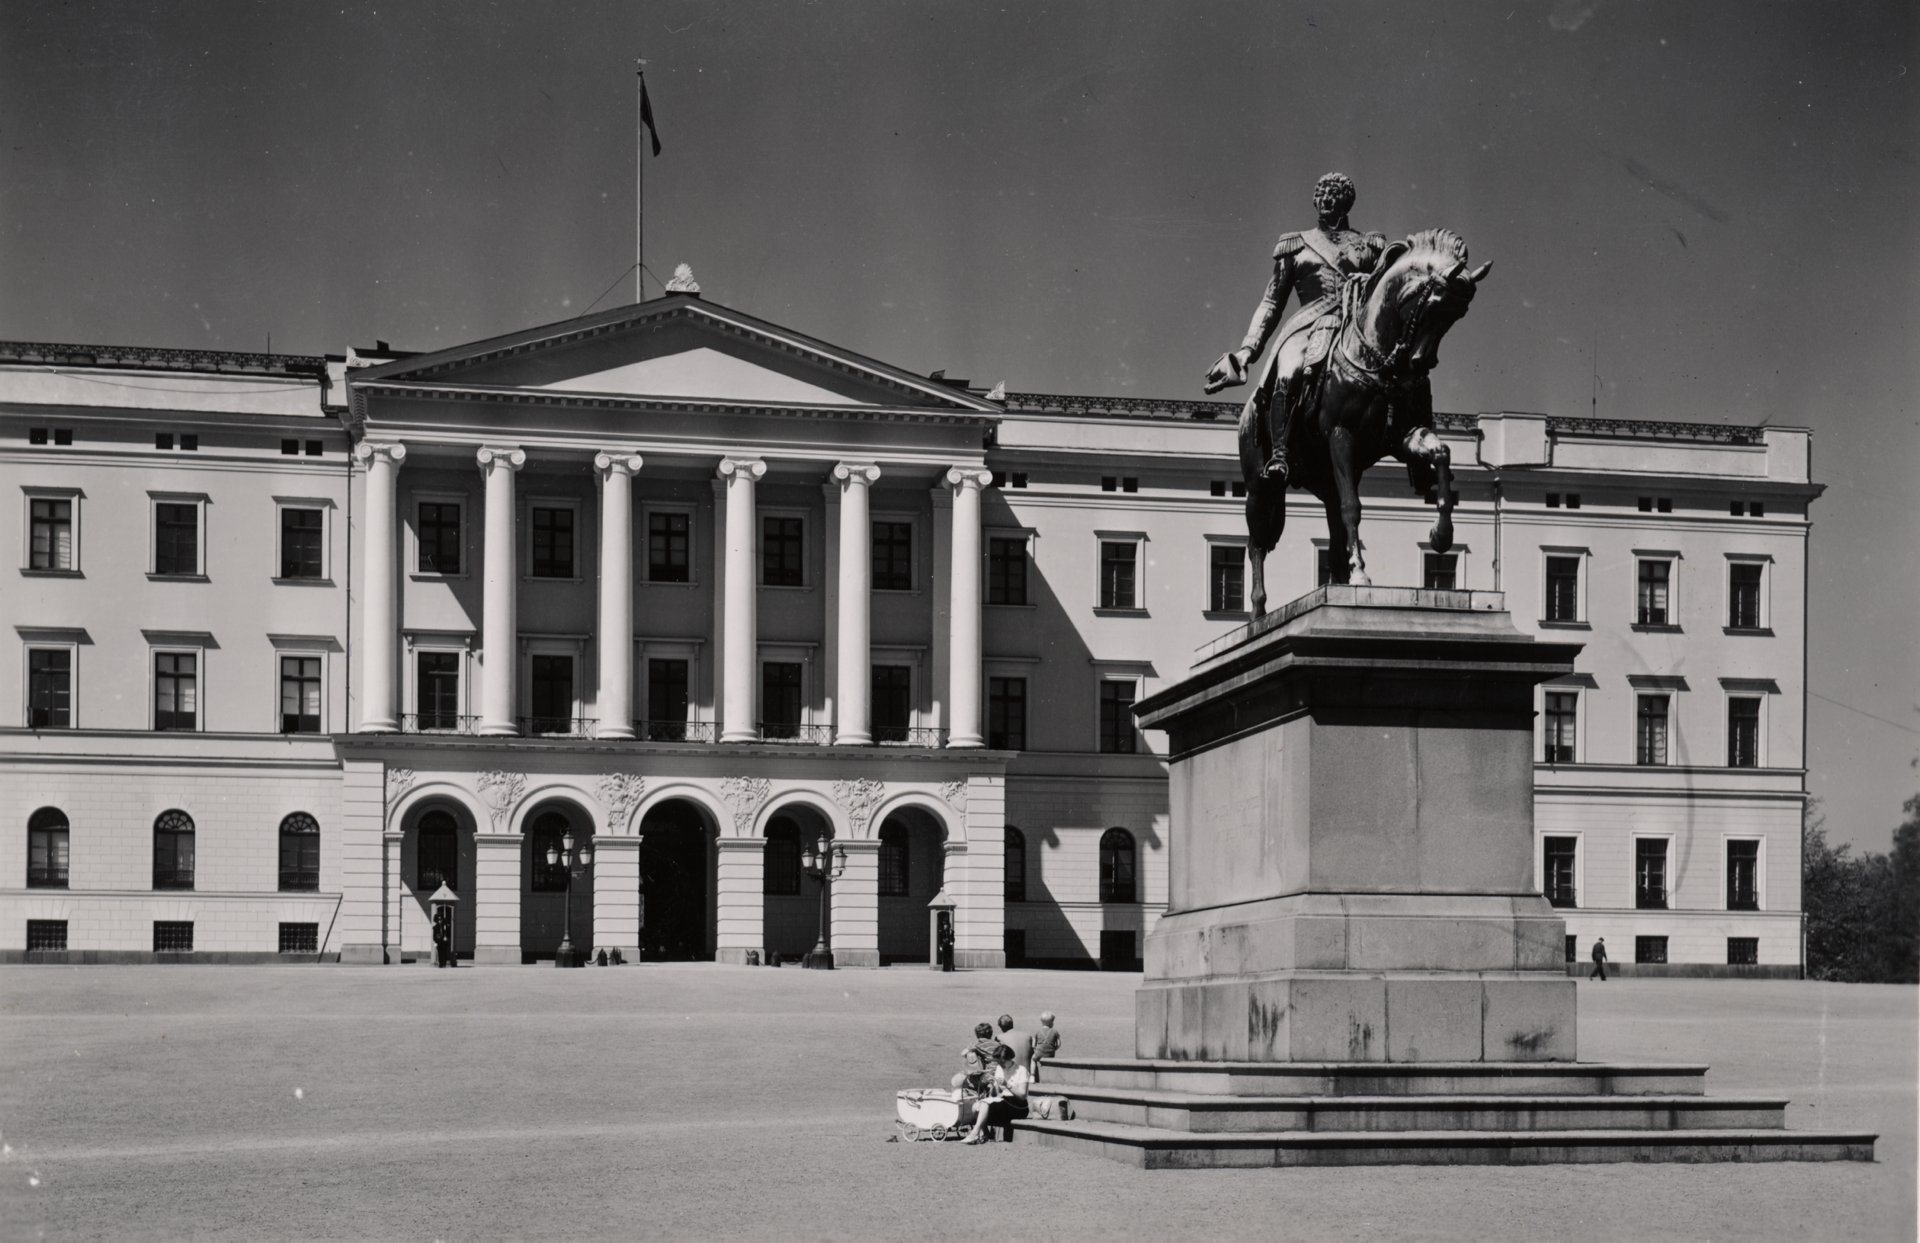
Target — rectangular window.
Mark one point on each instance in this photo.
(1651, 603)
(1441, 570)
(781, 551)
(892, 702)
(315, 448)
(1650, 950)
(300, 859)
(667, 700)
(301, 531)
(1757, 509)
(1743, 951)
(1227, 578)
(1117, 735)
(1109, 483)
(46, 934)
(780, 699)
(190, 441)
(780, 861)
(1322, 567)
(1743, 876)
(1650, 873)
(51, 542)
(669, 547)
(290, 448)
(438, 529)
(1743, 595)
(552, 553)
(1562, 715)
(893, 556)
(1743, 732)
(49, 688)
(1117, 952)
(176, 690)
(1650, 729)
(299, 938)
(173, 936)
(36, 435)
(299, 694)
(1007, 571)
(47, 855)
(1573, 949)
(176, 538)
(163, 440)
(1563, 589)
(437, 692)
(1007, 714)
(1558, 871)
(552, 694)
(1117, 573)
(893, 863)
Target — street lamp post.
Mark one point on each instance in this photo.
(576, 863)
(824, 863)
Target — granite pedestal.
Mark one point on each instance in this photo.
(1351, 853)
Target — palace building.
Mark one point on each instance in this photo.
(301, 640)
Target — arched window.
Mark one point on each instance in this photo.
(1116, 867)
(549, 828)
(299, 853)
(173, 850)
(47, 849)
(893, 860)
(436, 860)
(780, 871)
(1016, 865)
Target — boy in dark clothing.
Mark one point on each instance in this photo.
(1046, 1043)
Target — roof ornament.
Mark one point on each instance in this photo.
(683, 281)
(998, 392)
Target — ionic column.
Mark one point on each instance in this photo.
(742, 620)
(499, 627)
(852, 709)
(380, 640)
(963, 691)
(615, 699)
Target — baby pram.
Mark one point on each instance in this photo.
(935, 1113)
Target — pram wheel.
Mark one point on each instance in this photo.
(938, 1133)
(909, 1132)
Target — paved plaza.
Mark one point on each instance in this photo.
(702, 1101)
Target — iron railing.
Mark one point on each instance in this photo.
(794, 731)
(674, 731)
(556, 726)
(438, 723)
(909, 736)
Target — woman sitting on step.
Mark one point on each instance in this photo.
(1006, 1101)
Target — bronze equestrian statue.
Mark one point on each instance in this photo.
(1347, 382)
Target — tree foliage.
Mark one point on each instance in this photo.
(1863, 912)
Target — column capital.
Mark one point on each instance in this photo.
(367, 450)
(959, 478)
(846, 474)
(623, 461)
(752, 468)
(512, 458)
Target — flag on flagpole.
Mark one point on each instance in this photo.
(646, 113)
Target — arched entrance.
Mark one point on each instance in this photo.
(676, 884)
(436, 848)
(912, 867)
(544, 899)
(790, 918)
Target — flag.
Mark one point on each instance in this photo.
(646, 114)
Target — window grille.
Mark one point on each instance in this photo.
(1117, 883)
(173, 936)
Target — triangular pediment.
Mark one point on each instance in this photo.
(672, 349)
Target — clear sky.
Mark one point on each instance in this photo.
(1722, 200)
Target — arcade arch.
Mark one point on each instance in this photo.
(678, 881)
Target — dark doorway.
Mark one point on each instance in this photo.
(543, 886)
(676, 884)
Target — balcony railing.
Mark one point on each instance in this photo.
(794, 731)
(674, 731)
(909, 736)
(556, 726)
(438, 723)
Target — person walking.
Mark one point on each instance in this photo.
(1599, 959)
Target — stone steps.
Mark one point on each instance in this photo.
(1209, 1114)
(1325, 1079)
(1157, 1148)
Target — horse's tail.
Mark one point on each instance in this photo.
(1255, 436)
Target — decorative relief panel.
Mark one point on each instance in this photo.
(858, 798)
(955, 794)
(501, 790)
(620, 793)
(399, 781)
(745, 796)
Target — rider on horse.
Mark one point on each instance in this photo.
(1316, 264)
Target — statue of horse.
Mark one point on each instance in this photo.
(1369, 398)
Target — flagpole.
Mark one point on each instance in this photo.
(640, 185)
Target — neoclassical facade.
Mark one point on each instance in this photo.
(301, 640)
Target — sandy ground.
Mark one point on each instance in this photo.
(701, 1101)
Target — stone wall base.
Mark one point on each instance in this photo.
(235, 958)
